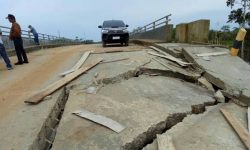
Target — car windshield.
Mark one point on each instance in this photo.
(113, 24)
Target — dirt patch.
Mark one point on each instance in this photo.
(27, 81)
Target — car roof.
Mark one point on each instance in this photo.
(113, 21)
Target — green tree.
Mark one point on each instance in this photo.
(225, 28)
(237, 15)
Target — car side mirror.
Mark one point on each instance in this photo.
(127, 25)
(99, 26)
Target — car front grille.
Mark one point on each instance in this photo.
(116, 32)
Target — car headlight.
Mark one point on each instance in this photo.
(125, 31)
(105, 31)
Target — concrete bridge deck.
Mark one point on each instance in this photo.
(148, 98)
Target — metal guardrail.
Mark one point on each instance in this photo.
(153, 25)
(28, 35)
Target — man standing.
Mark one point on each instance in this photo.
(15, 35)
(35, 34)
(4, 54)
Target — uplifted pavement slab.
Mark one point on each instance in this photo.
(208, 131)
(137, 103)
(175, 49)
(227, 72)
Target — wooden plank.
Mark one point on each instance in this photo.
(165, 142)
(240, 130)
(115, 51)
(248, 118)
(78, 64)
(181, 63)
(39, 96)
(82, 60)
(102, 120)
(212, 54)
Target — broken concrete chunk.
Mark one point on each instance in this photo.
(203, 81)
(96, 74)
(91, 90)
(48, 97)
(219, 97)
(238, 102)
(198, 109)
(207, 58)
(165, 142)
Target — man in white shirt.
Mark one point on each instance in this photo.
(4, 54)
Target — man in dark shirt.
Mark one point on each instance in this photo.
(15, 35)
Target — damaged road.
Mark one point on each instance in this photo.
(146, 94)
(141, 94)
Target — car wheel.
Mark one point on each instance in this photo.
(103, 44)
(126, 44)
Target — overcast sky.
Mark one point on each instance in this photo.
(80, 18)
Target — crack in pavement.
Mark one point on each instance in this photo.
(149, 136)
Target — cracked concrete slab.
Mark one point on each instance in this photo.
(136, 102)
(228, 73)
(175, 49)
(143, 100)
(208, 131)
(21, 128)
(20, 123)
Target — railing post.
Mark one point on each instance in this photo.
(167, 20)
(145, 28)
(44, 39)
(153, 25)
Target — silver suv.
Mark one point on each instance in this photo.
(114, 31)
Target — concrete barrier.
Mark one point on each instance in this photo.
(12, 52)
(163, 34)
(197, 31)
(181, 34)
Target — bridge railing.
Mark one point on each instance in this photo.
(153, 25)
(28, 38)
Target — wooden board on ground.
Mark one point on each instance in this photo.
(38, 97)
(165, 142)
(212, 54)
(240, 130)
(78, 64)
(115, 51)
(102, 120)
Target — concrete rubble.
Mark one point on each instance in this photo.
(146, 94)
(231, 74)
(208, 131)
(219, 97)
